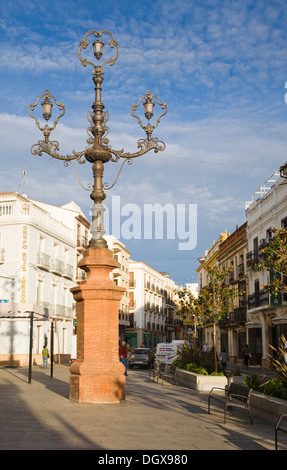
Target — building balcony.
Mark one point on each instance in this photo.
(68, 271)
(57, 266)
(240, 269)
(258, 299)
(153, 288)
(62, 311)
(235, 318)
(82, 243)
(252, 258)
(44, 261)
(2, 255)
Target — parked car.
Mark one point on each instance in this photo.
(142, 357)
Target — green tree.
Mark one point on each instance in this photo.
(188, 309)
(273, 257)
(215, 300)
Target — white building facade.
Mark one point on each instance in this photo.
(152, 318)
(266, 314)
(38, 267)
(121, 277)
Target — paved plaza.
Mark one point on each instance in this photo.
(40, 415)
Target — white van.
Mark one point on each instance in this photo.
(166, 352)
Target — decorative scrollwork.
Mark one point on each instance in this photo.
(98, 151)
(89, 185)
(91, 139)
(144, 145)
(52, 147)
(106, 185)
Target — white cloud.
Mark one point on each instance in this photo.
(220, 67)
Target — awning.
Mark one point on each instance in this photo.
(17, 309)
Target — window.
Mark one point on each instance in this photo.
(268, 235)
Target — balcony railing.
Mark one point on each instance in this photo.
(82, 243)
(57, 266)
(252, 257)
(237, 316)
(258, 299)
(43, 261)
(68, 271)
(2, 255)
(240, 269)
(62, 311)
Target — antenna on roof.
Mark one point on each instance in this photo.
(23, 182)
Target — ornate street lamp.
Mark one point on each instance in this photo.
(98, 152)
(97, 375)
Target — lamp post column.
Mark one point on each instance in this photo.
(97, 376)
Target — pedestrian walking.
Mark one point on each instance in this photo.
(45, 355)
(224, 357)
(246, 355)
(123, 356)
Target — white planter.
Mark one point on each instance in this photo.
(270, 406)
(200, 382)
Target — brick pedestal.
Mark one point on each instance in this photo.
(97, 376)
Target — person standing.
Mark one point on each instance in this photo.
(123, 356)
(246, 355)
(45, 355)
(205, 348)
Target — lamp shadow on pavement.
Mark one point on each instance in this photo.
(29, 424)
(58, 386)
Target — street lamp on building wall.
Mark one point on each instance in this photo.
(98, 152)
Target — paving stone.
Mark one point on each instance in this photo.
(153, 417)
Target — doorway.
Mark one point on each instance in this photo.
(255, 345)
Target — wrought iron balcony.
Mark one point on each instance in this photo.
(258, 299)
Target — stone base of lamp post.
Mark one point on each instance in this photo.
(97, 376)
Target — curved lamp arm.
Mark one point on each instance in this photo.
(144, 145)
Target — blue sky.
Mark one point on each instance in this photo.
(219, 65)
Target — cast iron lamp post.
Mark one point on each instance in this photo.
(97, 375)
(98, 152)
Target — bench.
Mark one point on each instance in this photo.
(163, 371)
(169, 373)
(157, 371)
(235, 395)
(278, 427)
